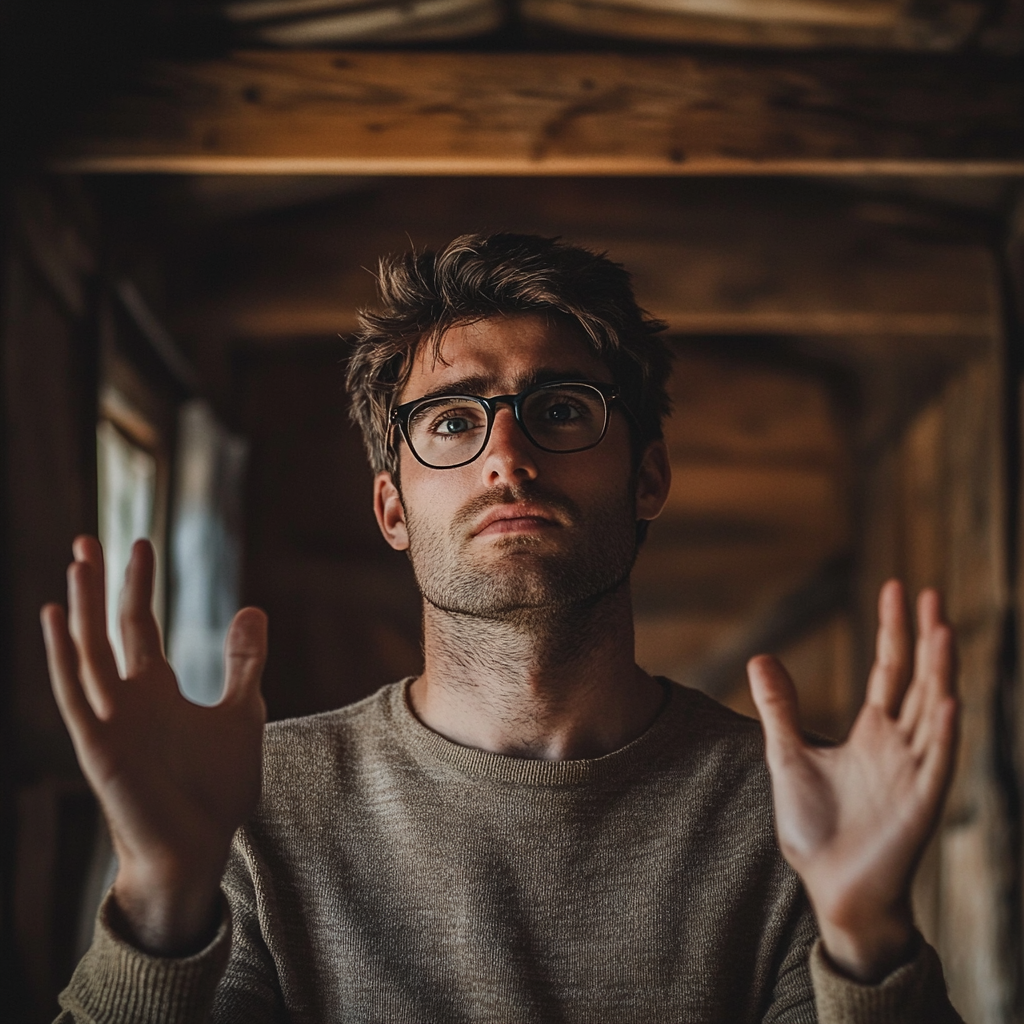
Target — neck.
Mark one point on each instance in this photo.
(548, 683)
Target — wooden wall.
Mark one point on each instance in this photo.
(49, 353)
(934, 511)
(63, 336)
(344, 610)
(761, 446)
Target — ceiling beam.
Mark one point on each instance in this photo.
(865, 24)
(423, 113)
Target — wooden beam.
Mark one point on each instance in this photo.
(869, 24)
(468, 113)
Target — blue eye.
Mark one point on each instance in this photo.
(454, 425)
(448, 421)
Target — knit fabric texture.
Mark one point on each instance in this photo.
(392, 876)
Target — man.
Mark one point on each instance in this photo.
(533, 829)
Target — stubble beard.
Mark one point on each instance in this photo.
(519, 579)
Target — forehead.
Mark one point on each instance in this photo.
(502, 355)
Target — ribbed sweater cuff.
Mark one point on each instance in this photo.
(906, 996)
(115, 982)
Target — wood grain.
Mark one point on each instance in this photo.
(557, 113)
(48, 434)
(709, 260)
(934, 513)
(779, 23)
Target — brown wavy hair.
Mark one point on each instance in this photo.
(424, 293)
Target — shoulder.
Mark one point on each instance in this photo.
(708, 725)
(314, 743)
(327, 723)
(714, 752)
(318, 767)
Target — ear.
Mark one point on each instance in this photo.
(653, 480)
(390, 513)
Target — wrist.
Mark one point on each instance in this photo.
(869, 950)
(166, 916)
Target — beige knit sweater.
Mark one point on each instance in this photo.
(392, 876)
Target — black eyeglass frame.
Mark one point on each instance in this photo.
(401, 414)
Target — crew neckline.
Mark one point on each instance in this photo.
(421, 740)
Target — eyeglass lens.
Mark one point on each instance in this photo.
(450, 430)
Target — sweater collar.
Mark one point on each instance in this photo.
(428, 746)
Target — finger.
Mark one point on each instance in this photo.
(775, 698)
(140, 633)
(890, 673)
(938, 759)
(87, 619)
(934, 660)
(245, 654)
(62, 662)
(936, 688)
(938, 655)
(929, 610)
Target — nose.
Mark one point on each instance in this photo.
(509, 455)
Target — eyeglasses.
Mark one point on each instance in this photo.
(452, 430)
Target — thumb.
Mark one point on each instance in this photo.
(775, 698)
(245, 654)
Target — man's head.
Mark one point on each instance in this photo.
(518, 524)
(424, 294)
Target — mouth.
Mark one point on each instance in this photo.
(517, 518)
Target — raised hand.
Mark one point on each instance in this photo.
(175, 780)
(853, 820)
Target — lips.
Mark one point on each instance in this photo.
(515, 518)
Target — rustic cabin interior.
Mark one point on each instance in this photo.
(823, 198)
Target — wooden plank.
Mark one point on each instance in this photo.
(777, 499)
(975, 944)
(872, 24)
(557, 113)
(287, 316)
(732, 576)
(934, 513)
(977, 568)
(685, 645)
(709, 260)
(730, 411)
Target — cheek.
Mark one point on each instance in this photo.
(606, 469)
(431, 498)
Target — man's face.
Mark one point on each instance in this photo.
(518, 529)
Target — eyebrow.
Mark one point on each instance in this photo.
(481, 386)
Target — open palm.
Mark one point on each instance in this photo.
(853, 820)
(175, 780)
